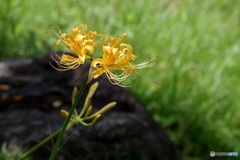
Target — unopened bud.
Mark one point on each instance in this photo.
(64, 113)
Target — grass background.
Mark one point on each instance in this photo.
(197, 44)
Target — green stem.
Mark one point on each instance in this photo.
(40, 144)
(63, 129)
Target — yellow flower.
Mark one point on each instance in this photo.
(77, 41)
(116, 61)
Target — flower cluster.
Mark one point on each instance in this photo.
(115, 60)
(85, 117)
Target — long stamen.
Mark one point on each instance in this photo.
(146, 64)
(64, 65)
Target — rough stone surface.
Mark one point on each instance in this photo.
(32, 93)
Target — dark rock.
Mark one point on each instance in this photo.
(32, 93)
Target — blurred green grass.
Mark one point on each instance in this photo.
(197, 44)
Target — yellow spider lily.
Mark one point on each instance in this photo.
(116, 61)
(117, 57)
(78, 41)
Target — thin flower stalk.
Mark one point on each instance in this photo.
(68, 118)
